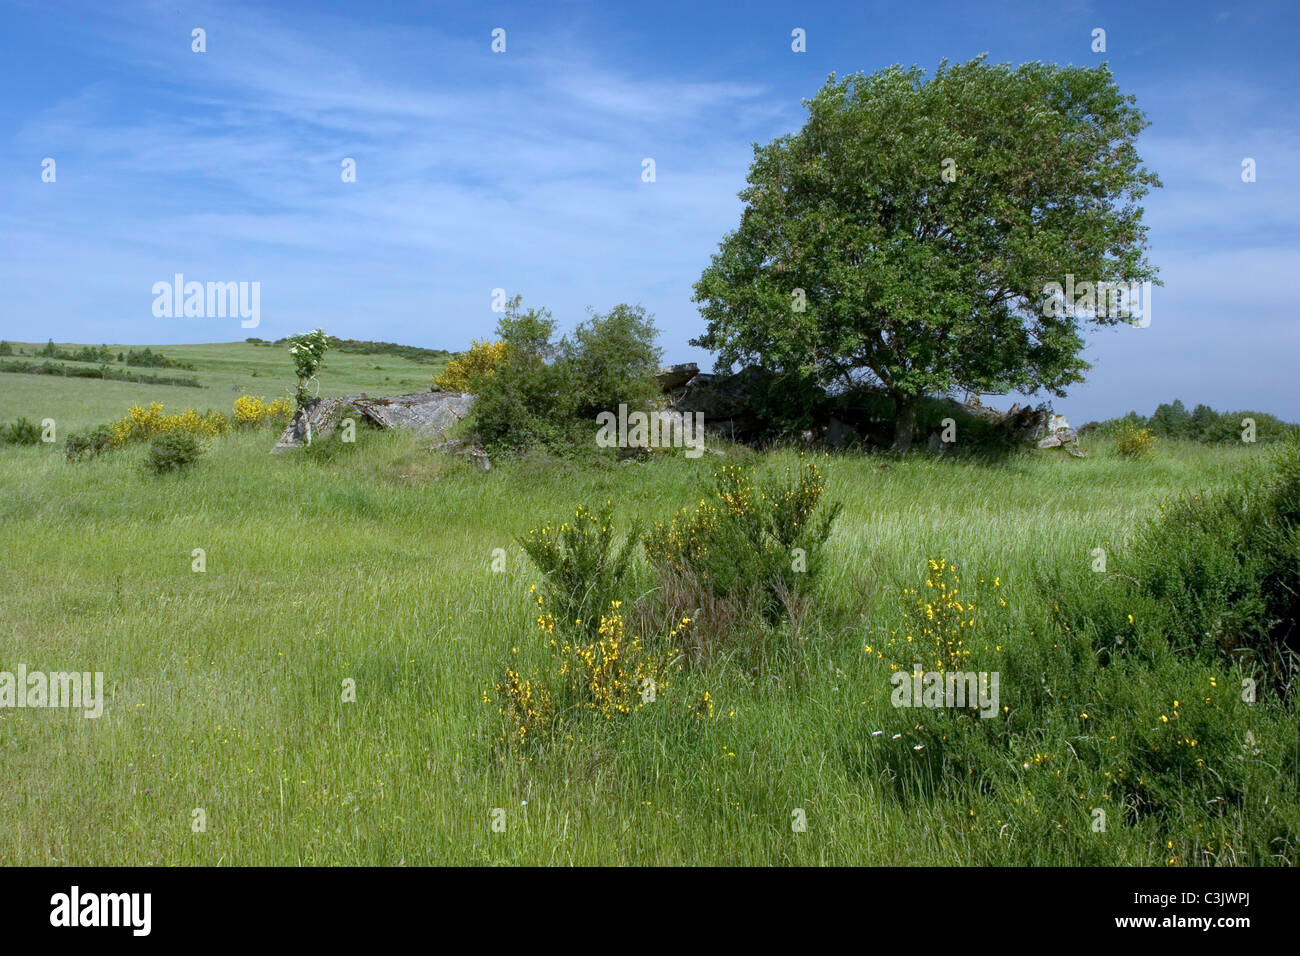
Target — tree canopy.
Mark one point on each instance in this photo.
(904, 236)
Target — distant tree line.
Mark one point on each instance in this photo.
(366, 347)
(1201, 424)
(145, 358)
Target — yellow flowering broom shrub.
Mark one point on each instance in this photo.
(596, 663)
(467, 371)
(745, 549)
(943, 625)
(526, 708)
(142, 423)
(609, 672)
(1134, 442)
(251, 412)
(582, 568)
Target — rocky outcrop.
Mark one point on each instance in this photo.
(733, 406)
(671, 377)
(1059, 434)
(428, 414)
(730, 403)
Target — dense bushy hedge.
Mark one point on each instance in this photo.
(147, 358)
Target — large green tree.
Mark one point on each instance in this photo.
(905, 235)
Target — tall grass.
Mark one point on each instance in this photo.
(225, 688)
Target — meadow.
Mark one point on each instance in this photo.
(226, 687)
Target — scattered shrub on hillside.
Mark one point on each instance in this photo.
(1134, 442)
(743, 551)
(467, 371)
(21, 432)
(365, 347)
(251, 412)
(1229, 429)
(146, 358)
(102, 372)
(173, 451)
(6, 348)
(89, 443)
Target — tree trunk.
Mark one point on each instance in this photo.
(904, 420)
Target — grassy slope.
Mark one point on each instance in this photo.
(225, 686)
(225, 370)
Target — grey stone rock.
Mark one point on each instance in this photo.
(671, 377)
(427, 414)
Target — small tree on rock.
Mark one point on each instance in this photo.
(308, 353)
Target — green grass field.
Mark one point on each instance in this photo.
(224, 688)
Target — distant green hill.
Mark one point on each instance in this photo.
(224, 370)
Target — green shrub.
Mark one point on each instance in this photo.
(527, 405)
(583, 571)
(1202, 424)
(1228, 567)
(744, 551)
(610, 360)
(173, 451)
(545, 395)
(1217, 575)
(89, 443)
(21, 432)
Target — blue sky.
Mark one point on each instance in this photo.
(522, 170)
